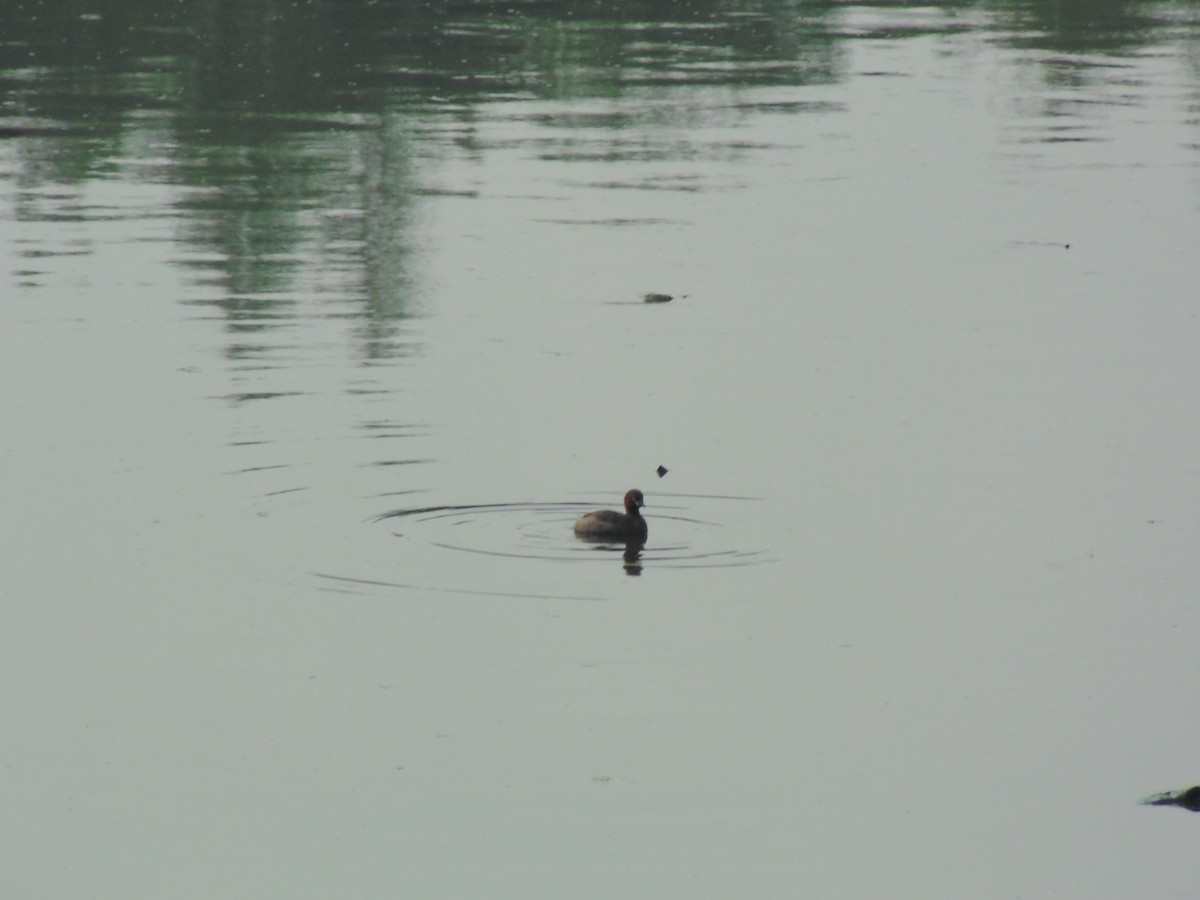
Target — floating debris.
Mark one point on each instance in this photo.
(662, 470)
(1188, 798)
(657, 298)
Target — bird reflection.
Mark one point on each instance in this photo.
(633, 558)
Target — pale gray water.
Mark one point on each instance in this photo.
(918, 611)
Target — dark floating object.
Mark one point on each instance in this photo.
(606, 525)
(662, 470)
(1189, 798)
(657, 298)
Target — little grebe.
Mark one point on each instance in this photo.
(606, 525)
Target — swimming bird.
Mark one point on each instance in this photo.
(607, 525)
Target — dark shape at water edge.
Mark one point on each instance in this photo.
(662, 470)
(1189, 798)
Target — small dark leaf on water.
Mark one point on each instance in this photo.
(662, 470)
(1188, 799)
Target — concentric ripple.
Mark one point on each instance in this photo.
(685, 532)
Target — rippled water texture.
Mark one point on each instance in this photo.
(535, 531)
(321, 323)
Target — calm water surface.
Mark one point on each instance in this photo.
(321, 323)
